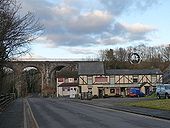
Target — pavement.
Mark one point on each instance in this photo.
(13, 116)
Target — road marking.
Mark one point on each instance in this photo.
(32, 115)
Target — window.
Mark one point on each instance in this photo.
(154, 78)
(135, 80)
(167, 87)
(60, 80)
(70, 80)
(75, 79)
(90, 79)
(112, 90)
(111, 80)
(65, 89)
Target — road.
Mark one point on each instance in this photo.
(61, 113)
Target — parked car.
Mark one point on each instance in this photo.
(135, 92)
(163, 91)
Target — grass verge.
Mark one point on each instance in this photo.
(163, 104)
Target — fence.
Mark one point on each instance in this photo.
(5, 100)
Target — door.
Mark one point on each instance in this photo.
(147, 90)
(100, 92)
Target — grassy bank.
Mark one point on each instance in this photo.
(163, 104)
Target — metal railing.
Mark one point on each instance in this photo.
(5, 100)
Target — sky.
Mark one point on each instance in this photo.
(80, 28)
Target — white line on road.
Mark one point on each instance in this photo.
(32, 115)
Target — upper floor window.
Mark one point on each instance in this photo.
(112, 80)
(60, 79)
(135, 78)
(154, 78)
(71, 80)
(90, 80)
(75, 79)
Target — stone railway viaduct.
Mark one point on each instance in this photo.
(46, 69)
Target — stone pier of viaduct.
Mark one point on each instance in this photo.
(46, 69)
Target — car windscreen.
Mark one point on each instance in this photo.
(167, 87)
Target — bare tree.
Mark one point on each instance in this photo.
(102, 55)
(151, 57)
(16, 31)
(121, 54)
(166, 53)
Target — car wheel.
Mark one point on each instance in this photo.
(158, 96)
(166, 96)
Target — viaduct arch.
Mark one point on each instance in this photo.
(46, 69)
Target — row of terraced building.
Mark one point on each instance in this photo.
(94, 78)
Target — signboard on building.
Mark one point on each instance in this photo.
(101, 79)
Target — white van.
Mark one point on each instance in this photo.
(163, 91)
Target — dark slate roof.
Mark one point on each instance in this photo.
(68, 85)
(133, 71)
(91, 68)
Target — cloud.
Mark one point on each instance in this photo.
(70, 40)
(117, 7)
(30, 56)
(82, 51)
(65, 11)
(139, 31)
(82, 23)
(133, 32)
(90, 22)
(138, 28)
(122, 33)
(41, 8)
(113, 40)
